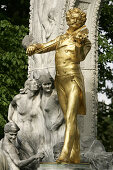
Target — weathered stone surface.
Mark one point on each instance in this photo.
(96, 155)
(64, 167)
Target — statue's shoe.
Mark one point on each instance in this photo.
(75, 161)
(62, 161)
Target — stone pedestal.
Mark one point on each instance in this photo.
(64, 167)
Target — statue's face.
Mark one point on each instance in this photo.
(47, 87)
(74, 20)
(11, 136)
(56, 154)
(33, 85)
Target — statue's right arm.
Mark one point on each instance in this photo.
(10, 112)
(12, 107)
(42, 47)
(23, 163)
(20, 163)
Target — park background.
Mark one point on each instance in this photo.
(14, 25)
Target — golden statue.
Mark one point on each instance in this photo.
(71, 48)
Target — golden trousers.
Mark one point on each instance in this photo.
(69, 94)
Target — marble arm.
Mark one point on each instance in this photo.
(20, 163)
(10, 112)
(13, 106)
(58, 122)
(38, 157)
(23, 163)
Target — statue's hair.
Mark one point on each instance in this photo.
(82, 14)
(58, 147)
(45, 78)
(26, 86)
(11, 127)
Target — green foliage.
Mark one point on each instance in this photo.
(13, 65)
(105, 125)
(17, 12)
(105, 116)
(106, 18)
(105, 57)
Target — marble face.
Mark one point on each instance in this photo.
(47, 87)
(56, 155)
(33, 85)
(11, 136)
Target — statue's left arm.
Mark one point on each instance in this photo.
(86, 48)
(83, 49)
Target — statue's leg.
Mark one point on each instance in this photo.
(72, 92)
(61, 97)
(75, 152)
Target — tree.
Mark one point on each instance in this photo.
(17, 12)
(105, 117)
(13, 60)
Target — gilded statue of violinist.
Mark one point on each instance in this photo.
(71, 48)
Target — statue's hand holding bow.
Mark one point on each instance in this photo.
(32, 49)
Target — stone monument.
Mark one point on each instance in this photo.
(46, 23)
(36, 111)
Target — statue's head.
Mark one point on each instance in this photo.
(47, 82)
(75, 18)
(30, 84)
(57, 150)
(11, 129)
(33, 85)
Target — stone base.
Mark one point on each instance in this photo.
(54, 166)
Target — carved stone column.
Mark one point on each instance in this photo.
(90, 66)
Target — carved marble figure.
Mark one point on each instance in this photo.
(53, 115)
(96, 155)
(71, 48)
(57, 150)
(25, 111)
(3, 161)
(10, 149)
